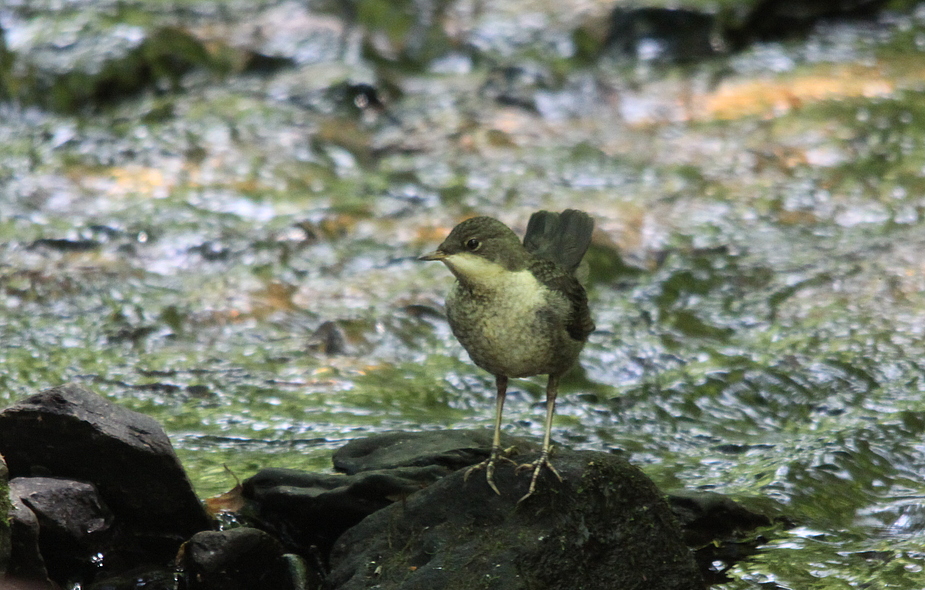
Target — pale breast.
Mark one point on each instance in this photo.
(515, 329)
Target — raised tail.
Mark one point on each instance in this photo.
(561, 237)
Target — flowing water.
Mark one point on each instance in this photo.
(233, 251)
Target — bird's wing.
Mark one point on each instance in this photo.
(579, 323)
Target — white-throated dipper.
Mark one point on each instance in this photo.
(518, 309)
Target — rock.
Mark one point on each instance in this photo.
(665, 35)
(706, 517)
(235, 559)
(605, 526)
(329, 339)
(148, 578)
(7, 58)
(5, 509)
(518, 85)
(309, 511)
(26, 562)
(74, 525)
(448, 449)
(70, 432)
(679, 35)
(312, 509)
(774, 20)
(721, 531)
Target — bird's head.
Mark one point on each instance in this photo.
(479, 249)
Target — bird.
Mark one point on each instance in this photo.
(518, 308)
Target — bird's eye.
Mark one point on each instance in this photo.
(473, 244)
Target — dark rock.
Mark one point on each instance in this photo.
(236, 559)
(26, 562)
(350, 97)
(721, 531)
(662, 34)
(772, 20)
(66, 245)
(257, 63)
(448, 449)
(707, 516)
(353, 100)
(678, 35)
(606, 526)
(517, 86)
(147, 578)
(309, 511)
(70, 432)
(312, 509)
(5, 509)
(13, 583)
(329, 339)
(7, 59)
(74, 525)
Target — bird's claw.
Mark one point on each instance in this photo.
(489, 466)
(537, 466)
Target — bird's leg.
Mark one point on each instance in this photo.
(552, 387)
(489, 464)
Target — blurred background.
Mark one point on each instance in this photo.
(210, 212)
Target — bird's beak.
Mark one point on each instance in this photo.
(435, 255)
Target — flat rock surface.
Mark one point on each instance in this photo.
(449, 449)
(605, 526)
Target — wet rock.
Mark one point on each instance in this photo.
(352, 98)
(309, 510)
(329, 339)
(518, 85)
(26, 562)
(148, 578)
(678, 35)
(6, 65)
(606, 525)
(771, 20)
(706, 516)
(70, 432)
(720, 530)
(449, 450)
(5, 509)
(236, 559)
(74, 525)
(66, 245)
(663, 35)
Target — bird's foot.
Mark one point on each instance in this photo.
(489, 466)
(536, 467)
